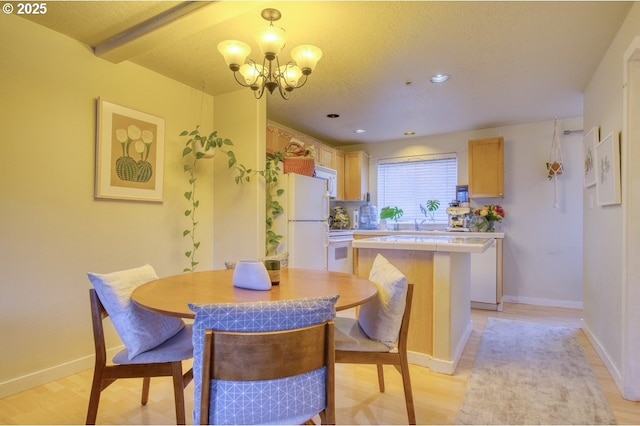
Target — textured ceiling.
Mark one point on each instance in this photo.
(510, 62)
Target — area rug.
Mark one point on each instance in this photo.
(526, 373)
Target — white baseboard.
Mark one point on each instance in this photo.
(543, 302)
(441, 365)
(604, 356)
(435, 365)
(47, 375)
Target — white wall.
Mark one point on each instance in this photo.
(543, 245)
(604, 269)
(52, 230)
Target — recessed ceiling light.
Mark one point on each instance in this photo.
(439, 78)
(409, 133)
(359, 131)
(333, 115)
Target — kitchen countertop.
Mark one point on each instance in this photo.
(434, 233)
(447, 243)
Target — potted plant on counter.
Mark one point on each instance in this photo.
(429, 211)
(391, 213)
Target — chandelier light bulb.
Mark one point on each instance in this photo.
(290, 74)
(234, 52)
(271, 41)
(253, 75)
(306, 57)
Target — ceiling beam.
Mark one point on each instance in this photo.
(184, 19)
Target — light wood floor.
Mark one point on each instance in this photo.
(438, 398)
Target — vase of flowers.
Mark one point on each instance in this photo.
(492, 213)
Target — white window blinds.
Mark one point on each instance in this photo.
(410, 181)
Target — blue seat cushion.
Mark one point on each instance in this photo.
(261, 402)
(177, 348)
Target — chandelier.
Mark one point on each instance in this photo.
(270, 74)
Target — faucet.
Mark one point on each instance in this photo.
(418, 225)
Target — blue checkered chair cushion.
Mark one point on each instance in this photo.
(263, 402)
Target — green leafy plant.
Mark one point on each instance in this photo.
(197, 147)
(430, 210)
(271, 174)
(393, 213)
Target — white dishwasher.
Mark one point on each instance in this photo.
(485, 292)
(340, 251)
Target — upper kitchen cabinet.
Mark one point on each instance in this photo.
(356, 175)
(326, 156)
(277, 139)
(339, 161)
(486, 168)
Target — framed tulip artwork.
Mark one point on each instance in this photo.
(129, 154)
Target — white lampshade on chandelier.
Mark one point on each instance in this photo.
(270, 74)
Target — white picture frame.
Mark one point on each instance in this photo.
(608, 170)
(129, 154)
(589, 143)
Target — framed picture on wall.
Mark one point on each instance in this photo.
(608, 170)
(129, 154)
(589, 145)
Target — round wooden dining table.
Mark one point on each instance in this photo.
(172, 295)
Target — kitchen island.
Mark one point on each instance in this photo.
(439, 268)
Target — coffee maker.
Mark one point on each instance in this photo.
(459, 217)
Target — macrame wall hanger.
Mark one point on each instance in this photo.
(204, 86)
(555, 165)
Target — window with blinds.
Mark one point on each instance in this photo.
(410, 181)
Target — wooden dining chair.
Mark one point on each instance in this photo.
(265, 362)
(272, 356)
(354, 346)
(164, 360)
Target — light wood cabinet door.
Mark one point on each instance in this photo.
(272, 142)
(356, 175)
(486, 168)
(327, 156)
(339, 166)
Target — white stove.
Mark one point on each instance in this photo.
(340, 234)
(339, 251)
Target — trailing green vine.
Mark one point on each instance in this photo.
(274, 208)
(197, 146)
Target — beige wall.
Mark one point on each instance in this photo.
(52, 230)
(604, 270)
(240, 226)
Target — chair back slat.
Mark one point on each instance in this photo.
(271, 355)
(238, 356)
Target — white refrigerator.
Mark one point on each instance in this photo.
(307, 227)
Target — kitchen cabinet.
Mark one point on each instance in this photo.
(486, 278)
(326, 155)
(486, 168)
(277, 139)
(356, 175)
(339, 162)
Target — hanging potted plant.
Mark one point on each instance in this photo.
(197, 148)
(200, 147)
